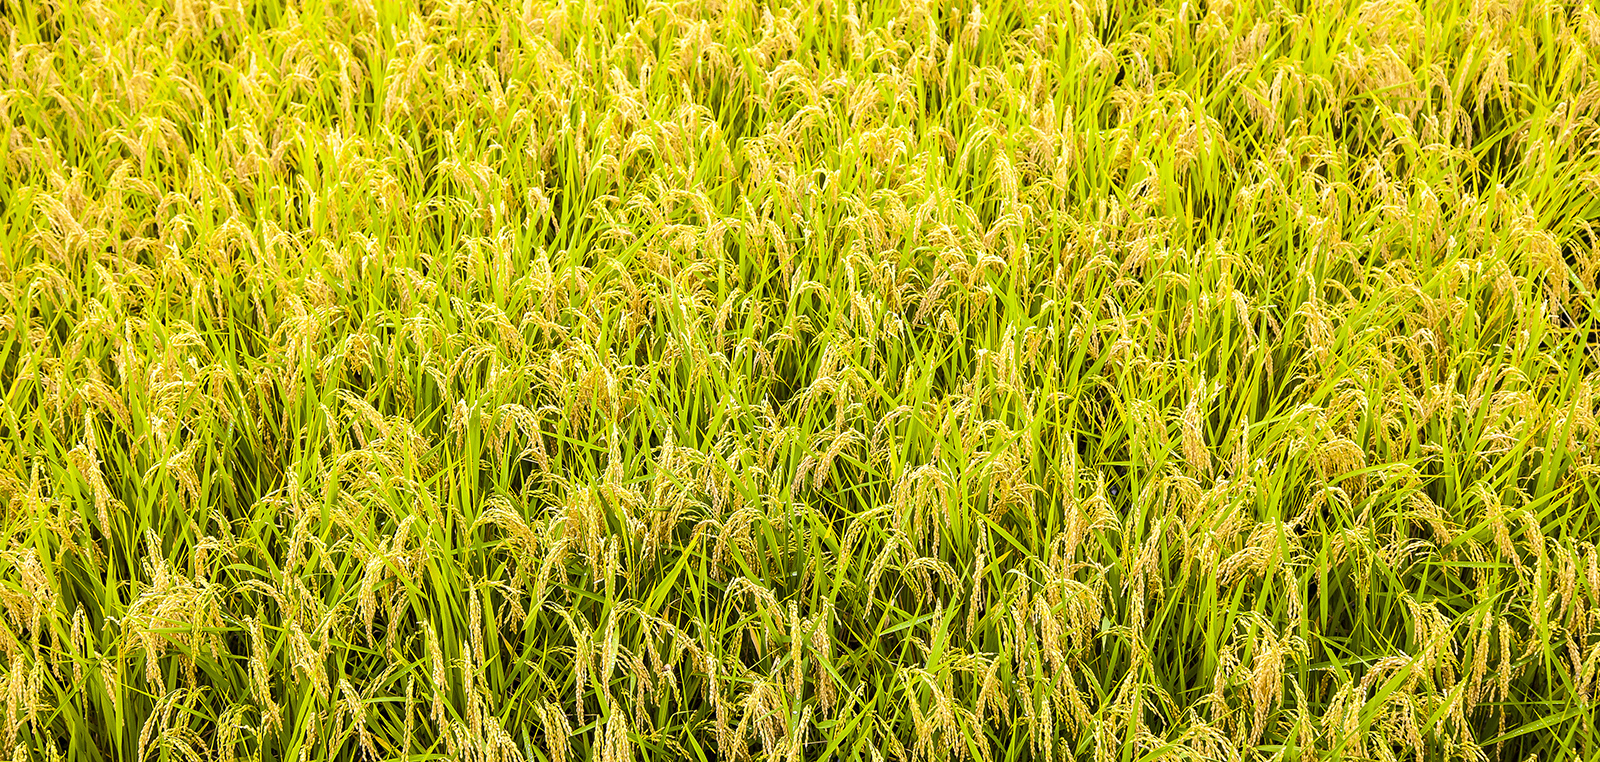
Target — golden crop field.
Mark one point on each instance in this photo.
(800, 380)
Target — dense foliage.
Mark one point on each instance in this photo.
(639, 380)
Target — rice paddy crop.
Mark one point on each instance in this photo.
(727, 380)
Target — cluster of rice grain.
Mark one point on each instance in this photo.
(733, 380)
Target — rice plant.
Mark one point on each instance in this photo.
(731, 380)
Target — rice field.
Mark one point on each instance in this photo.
(724, 380)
